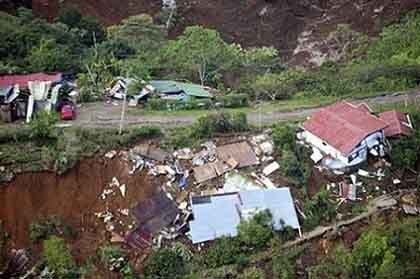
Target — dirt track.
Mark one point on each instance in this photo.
(106, 115)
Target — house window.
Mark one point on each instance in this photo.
(324, 143)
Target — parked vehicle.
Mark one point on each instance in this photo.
(68, 112)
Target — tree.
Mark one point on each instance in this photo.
(372, 256)
(100, 72)
(164, 264)
(223, 252)
(199, 53)
(58, 257)
(277, 86)
(49, 57)
(139, 32)
(88, 28)
(284, 137)
(319, 208)
(256, 233)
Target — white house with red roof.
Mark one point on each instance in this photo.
(343, 134)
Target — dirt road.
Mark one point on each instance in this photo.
(106, 115)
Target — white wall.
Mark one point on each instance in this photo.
(327, 149)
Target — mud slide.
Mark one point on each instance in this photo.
(75, 198)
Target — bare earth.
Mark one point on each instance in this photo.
(105, 115)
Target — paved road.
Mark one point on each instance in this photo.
(105, 115)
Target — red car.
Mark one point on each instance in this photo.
(68, 112)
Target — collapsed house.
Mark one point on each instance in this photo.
(174, 90)
(22, 95)
(164, 89)
(219, 215)
(399, 124)
(342, 135)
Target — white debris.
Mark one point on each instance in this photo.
(235, 182)
(114, 182)
(396, 181)
(124, 211)
(267, 148)
(106, 216)
(123, 190)
(111, 154)
(266, 182)
(183, 154)
(316, 155)
(363, 173)
(338, 172)
(183, 205)
(271, 168)
(353, 178)
(170, 171)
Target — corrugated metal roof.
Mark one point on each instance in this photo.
(398, 123)
(22, 80)
(174, 87)
(343, 125)
(242, 153)
(220, 215)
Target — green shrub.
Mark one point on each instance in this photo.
(257, 232)
(164, 264)
(253, 273)
(284, 138)
(58, 258)
(112, 257)
(20, 134)
(207, 126)
(283, 267)
(233, 101)
(45, 228)
(406, 151)
(43, 126)
(319, 208)
(372, 256)
(335, 265)
(224, 251)
(294, 167)
(116, 260)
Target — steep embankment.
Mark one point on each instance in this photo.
(296, 28)
(75, 198)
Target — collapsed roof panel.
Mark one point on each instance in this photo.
(242, 152)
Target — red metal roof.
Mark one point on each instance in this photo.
(23, 80)
(343, 125)
(398, 123)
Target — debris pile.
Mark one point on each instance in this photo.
(229, 167)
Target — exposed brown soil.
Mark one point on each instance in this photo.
(262, 22)
(74, 198)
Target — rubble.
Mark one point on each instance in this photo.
(111, 154)
(183, 154)
(271, 168)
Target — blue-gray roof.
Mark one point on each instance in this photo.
(219, 215)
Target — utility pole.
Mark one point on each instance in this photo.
(122, 113)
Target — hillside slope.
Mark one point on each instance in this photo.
(296, 27)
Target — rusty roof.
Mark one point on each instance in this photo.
(242, 152)
(343, 125)
(398, 123)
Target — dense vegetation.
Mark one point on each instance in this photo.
(385, 251)
(139, 48)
